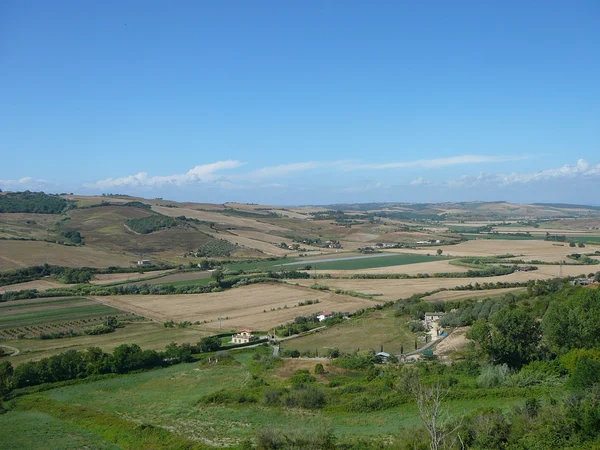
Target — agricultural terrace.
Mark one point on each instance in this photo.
(369, 331)
(260, 306)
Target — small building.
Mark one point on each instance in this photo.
(325, 315)
(144, 262)
(383, 355)
(581, 281)
(432, 317)
(243, 337)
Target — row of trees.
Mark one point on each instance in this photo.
(63, 274)
(75, 364)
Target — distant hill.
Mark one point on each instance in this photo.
(96, 231)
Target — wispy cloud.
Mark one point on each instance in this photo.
(582, 170)
(203, 173)
(283, 170)
(437, 162)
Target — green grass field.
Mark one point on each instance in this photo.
(136, 410)
(370, 331)
(506, 237)
(266, 264)
(369, 263)
(48, 432)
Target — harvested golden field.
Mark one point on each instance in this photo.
(40, 285)
(523, 249)
(462, 295)
(266, 247)
(107, 278)
(14, 254)
(260, 306)
(391, 289)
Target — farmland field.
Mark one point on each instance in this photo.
(369, 331)
(34, 315)
(15, 254)
(179, 279)
(30, 319)
(259, 306)
(368, 262)
(408, 269)
(40, 285)
(109, 278)
(462, 295)
(393, 289)
(147, 335)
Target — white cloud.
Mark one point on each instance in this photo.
(582, 169)
(437, 162)
(26, 183)
(204, 173)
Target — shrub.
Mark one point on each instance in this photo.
(492, 376)
(301, 377)
(319, 369)
(98, 329)
(416, 326)
(587, 373)
(307, 397)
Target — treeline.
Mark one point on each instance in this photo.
(134, 204)
(33, 202)
(133, 289)
(67, 275)
(243, 213)
(75, 364)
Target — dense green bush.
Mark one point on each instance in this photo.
(99, 329)
(147, 225)
(32, 202)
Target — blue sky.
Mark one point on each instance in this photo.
(302, 102)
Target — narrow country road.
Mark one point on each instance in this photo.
(15, 351)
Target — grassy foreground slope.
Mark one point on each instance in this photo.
(175, 399)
